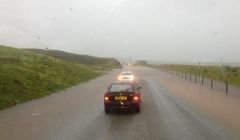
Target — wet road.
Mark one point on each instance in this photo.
(77, 114)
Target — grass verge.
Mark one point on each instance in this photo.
(224, 73)
(25, 81)
(30, 79)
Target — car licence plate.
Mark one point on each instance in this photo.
(120, 97)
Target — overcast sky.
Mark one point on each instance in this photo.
(164, 30)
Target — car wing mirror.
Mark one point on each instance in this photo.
(139, 88)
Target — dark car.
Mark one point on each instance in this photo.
(122, 95)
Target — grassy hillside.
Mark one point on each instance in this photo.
(32, 76)
(225, 73)
(107, 63)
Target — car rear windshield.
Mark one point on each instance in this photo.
(121, 88)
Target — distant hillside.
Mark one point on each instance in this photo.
(25, 75)
(111, 63)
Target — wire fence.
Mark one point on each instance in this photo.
(23, 58)
(15, 59)
(206, 82)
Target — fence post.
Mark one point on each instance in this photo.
(226, 87)
(195, 79)
(190, 77)
(18, 57)
(211, 83)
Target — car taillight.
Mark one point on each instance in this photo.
(136, 97)
(106, 97)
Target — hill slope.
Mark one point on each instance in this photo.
(25, 75)
(109, 63)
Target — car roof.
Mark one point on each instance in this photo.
(125, 82)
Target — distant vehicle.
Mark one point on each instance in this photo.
(126, 76)
(122, 95)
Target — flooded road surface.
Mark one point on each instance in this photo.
(78, 114)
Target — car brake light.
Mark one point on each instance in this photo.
(106, 97)
(135, 98)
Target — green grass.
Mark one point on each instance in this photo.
(226, 73)
(97, 62)
(30, 79)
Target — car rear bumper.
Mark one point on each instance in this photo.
(121, 105)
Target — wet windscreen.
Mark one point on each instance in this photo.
(119, 69)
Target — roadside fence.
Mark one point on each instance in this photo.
(22, 58)
(209, 83)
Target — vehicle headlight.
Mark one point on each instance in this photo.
(119, 78)
(132, 78)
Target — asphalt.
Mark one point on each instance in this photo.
(78, 114)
